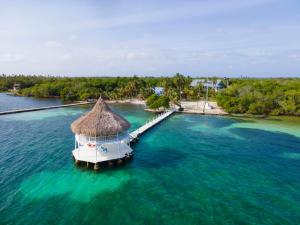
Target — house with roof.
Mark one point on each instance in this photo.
(208, 84)
(219, 85)
(158, 91)
(196, 82)
(16, 87)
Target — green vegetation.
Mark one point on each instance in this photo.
(262, 97)
(252, 96)
(155, 102)
(82, 88)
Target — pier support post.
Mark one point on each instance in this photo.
(119, 161)
(130, 155)
(96, 166)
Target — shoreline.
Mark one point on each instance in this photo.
(190, 107)
(199, 107)
(133, 101)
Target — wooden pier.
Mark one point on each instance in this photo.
(135, 134)
(44, 108)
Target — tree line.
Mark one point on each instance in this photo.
(262, 96)
(280, 96)
(82, 88)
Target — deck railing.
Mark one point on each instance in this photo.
(103, 139)
(151, 122)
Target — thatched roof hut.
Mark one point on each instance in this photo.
(100, 121)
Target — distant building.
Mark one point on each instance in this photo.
(196, 82)
(158, 90)
(16, 86)
(219, 85)
(208, 84)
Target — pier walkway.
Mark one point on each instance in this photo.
(135, 134)
(43, 108)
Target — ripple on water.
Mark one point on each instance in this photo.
(77, 186)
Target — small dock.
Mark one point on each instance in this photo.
(135, 134)
(44, 108)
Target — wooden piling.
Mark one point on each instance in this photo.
(96, 166)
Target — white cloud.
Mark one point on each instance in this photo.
(230, 67)
(295, 57)
(73, 37)
(169, 36)
(121, 55)
(166, 13)
(9, 57)
(67, 56)
(135, 55)
(53, 44)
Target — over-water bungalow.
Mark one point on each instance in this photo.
(101, 136)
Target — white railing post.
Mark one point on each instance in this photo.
(96, 153)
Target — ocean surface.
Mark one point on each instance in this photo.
(9, 102)
(190, 169)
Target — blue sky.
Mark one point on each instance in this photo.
(115, 37)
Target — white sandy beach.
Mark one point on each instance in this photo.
(189, 106)
(128, 101)
(197, 107)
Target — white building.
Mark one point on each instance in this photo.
(208, 84)
(158, 90)
(101, 136)
(196, 82)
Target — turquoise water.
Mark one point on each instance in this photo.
(9, 102)
(188, 170)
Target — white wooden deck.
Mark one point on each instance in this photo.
(135, 134)
(114, 151)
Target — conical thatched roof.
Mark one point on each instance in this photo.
(100, 121)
